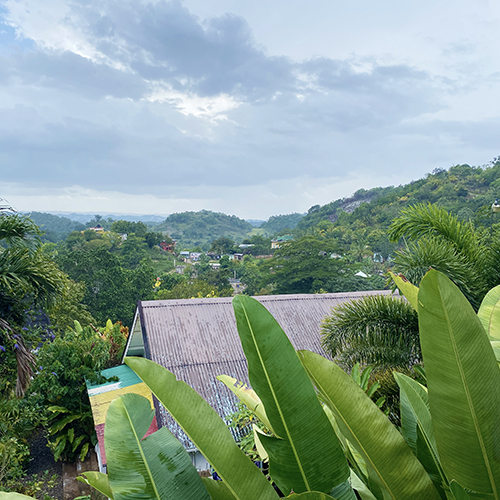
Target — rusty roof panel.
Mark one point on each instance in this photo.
(197, 339)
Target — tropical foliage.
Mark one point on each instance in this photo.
(59, 385)
(377, 330)
(446, 450)
(28, 280)
(470, 257)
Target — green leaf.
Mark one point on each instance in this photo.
(258, 445)
(57, 409)
(247, 396)
(407, 289)
(495, 345)
(77, 442)
(13, 496)
(382, 447)
(309, 495)
(489, 313)
(62, 424)
(71, 435)
(217, 489)
(156, 467)
(206, 430)
(458, 492)
(97, 480)
(463, 383)
(361, 488)
(306, 454)
(416, 427)
(418, 402)
(84, 451)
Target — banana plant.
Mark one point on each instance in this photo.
(156, 467)
(457, 423)
(304, 453)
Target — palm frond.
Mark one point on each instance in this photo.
(379, 330)
(418, 257)
(423, 220)
(19, 232)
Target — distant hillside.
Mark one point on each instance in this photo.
(192, 229)
(85, 217)
(55, 228)
(364, 218)
(255, 222)
(278, 223)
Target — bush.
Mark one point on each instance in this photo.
(59, 385)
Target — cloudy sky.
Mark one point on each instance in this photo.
(251, 108)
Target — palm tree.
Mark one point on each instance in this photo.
(379, 330)
(435, 238)
(382, 331)
(27, 279)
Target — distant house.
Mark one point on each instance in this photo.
(184, 254)
(280, 240)
(167, 247)
(197, 340)
(236, 256)
(194, 256)
(97, 229)
(237, 285)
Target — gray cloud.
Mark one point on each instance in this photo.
(70, 72)
(66, 120)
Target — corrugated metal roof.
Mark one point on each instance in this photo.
(197, 339)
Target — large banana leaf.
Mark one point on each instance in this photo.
(306, 454)
(206, 430)
(382, 447)
(156, 467)
(489, 313)
(247, 396)
(464, 386)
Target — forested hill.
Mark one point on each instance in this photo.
(463, 190)
(279, 223)
(55, 228)
(193, 229)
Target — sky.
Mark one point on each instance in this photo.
(252, 108)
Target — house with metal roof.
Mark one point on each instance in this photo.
(197, 340)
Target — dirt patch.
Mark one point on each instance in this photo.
(43, 469)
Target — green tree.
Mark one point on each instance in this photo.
(223, 245)
(28, 279)
(128, 227)
(111, 291)
(59, 385)
(191, 289)
(305, 265)
(470, 257)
